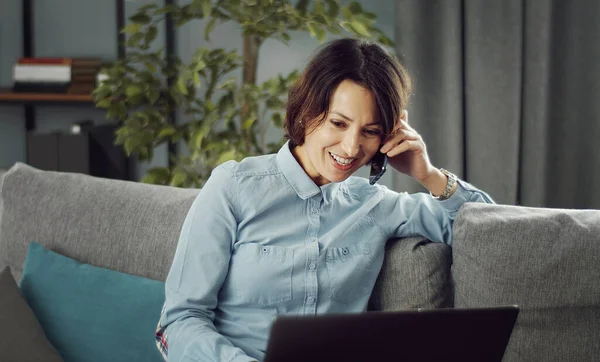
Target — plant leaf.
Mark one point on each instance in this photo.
(226, 156)
(347, 13)
(167, 132)
(152, 94)
(321, 34)
(200, 64)
(179, 177)
(302, 5)
(104, 103)
(129, 146)
(312, 29)
(355, 7)
(157, 176)
(132, 28)
(319, 8)
(210, 26)
(196, 79)
(248, 123)
(151, 35)
(151, 66)
(141, 18)
(133, 90)
(207, 8)
(200, 134)
(359, 28)
(181, 85)
(334, 8)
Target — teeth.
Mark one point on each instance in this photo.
(341, 161)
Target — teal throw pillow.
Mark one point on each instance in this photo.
(92, 314)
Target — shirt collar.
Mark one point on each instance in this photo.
(294, 173)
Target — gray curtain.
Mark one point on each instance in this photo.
(507, 95)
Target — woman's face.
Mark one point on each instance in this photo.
(347, 140)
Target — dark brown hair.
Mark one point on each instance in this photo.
(362, 62)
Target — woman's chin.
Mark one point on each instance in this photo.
(333, 172)
(338, 176)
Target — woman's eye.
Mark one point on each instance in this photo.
(337, 123)
(373, 132)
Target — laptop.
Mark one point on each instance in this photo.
(446, 334)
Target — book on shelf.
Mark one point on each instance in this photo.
(40, 87)
(56, 75)
(41, 73)
(86, 63)
(81, 88)
(45, 61)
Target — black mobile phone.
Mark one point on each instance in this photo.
(378, 166)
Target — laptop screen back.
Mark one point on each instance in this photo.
(480, 334)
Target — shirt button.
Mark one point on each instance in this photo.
(314, 211)
(345, 251)
(310, 300)
(312, 266)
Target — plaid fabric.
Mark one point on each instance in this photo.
(161, 338)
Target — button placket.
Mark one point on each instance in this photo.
(312, 254)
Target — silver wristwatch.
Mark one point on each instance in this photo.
(452, 180)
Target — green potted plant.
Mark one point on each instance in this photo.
(221, 117)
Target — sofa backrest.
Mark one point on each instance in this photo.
(547, 261)
(134, 228)
(125, 226)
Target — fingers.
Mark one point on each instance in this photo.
(408, 145)
(398, 137)
(404, 116)
(403, 139)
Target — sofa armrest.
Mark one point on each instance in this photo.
(415, 274)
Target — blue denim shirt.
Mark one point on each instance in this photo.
(262, 239)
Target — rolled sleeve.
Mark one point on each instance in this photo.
(421, 214)
(464, 193)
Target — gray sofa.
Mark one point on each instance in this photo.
(545, 260)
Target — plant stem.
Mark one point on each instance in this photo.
(250, 54)
(251, 45)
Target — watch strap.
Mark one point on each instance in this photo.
(452, 180)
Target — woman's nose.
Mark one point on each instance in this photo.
(351, 144)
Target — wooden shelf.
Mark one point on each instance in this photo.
(7, 96)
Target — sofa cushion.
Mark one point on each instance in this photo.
(90, 313)
(546, 261)
(125, 226)
(21, 336)
(415, 274)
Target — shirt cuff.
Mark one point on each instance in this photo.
(459, 197)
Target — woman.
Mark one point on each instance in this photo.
(293, 233)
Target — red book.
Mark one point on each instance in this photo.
(45, 61)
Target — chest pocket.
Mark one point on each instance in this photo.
(351, 272)
(261, 274)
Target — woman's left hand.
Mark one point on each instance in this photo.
(407, 152)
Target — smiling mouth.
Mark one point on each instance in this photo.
(341, 163)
